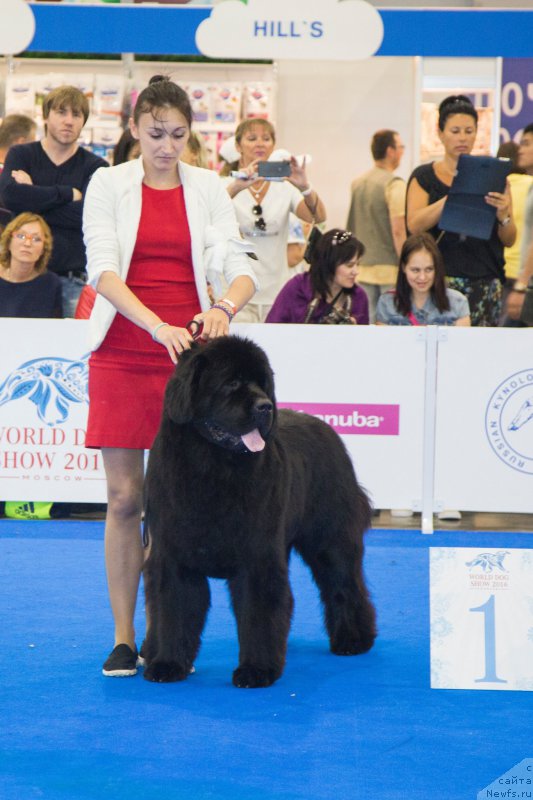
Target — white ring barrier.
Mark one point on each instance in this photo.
(432, 417)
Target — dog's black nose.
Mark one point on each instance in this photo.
(263, 406)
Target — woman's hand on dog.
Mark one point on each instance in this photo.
(215, 322)
(176, 340)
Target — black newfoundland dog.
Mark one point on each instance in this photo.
(232, 486)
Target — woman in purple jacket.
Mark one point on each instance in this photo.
(328, 293)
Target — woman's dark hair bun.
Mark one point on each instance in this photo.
(162, 92)
(455, 99)
(157, 79)
(455, 104)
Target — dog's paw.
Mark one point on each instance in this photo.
(165, 672)
(350, 646)
(250, 677)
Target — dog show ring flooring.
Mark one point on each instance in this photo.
(332, 728)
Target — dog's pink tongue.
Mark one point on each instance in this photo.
(253, 441)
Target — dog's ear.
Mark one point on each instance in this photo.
(181, 388)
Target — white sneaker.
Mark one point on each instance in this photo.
(449, 515)
(401, 512)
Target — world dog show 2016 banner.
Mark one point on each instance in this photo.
(43, 413)
(367, 383)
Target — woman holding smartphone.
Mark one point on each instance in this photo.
(263, 209)
(474, 266)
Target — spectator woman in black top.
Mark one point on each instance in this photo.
(26, 288)
(474, 266)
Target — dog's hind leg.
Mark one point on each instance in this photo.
(349, 615)
(262, 602)
(177, 602)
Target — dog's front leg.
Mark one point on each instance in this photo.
(177, 602)
(262, 602)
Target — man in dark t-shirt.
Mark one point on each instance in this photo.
(50, 178)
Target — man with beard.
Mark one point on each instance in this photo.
(50, 178)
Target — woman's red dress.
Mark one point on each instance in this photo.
(129, 371)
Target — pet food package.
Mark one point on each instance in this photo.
(131, 98)
(44, 85)
(211, 139)
(84, 82)
(226, 101)
(200, 98)
(104, 140)
(20, 95)
(86, 136)
(258, 100)
(109, 97)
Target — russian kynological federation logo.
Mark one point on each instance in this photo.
(509, 421)
(489, 562)
(52, 384)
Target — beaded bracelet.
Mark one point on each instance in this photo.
(157, 327)
(229, 303)
(226, 311)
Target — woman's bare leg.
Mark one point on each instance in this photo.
(124, 554)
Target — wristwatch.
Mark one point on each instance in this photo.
(519, 287)
(505, 221)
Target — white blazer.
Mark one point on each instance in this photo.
(111, 215)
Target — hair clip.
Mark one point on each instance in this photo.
(341, 237)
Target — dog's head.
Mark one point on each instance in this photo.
(226, 390)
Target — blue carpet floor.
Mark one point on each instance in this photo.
(331, 729)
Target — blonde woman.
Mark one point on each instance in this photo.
(27, 289)
(195, 152)
(263, 209)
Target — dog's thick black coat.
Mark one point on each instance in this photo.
(216, 508)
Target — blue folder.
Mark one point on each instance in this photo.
(465, 211)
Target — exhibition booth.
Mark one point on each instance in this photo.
(328, 108)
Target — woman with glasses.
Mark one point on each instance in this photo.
(263, 208)
(156, 230)
(328, 292)
(27, 289)
(474, 267)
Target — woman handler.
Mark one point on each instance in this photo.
(156, 230)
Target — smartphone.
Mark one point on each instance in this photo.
(274, 170)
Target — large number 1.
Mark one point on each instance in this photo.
(490, 642)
